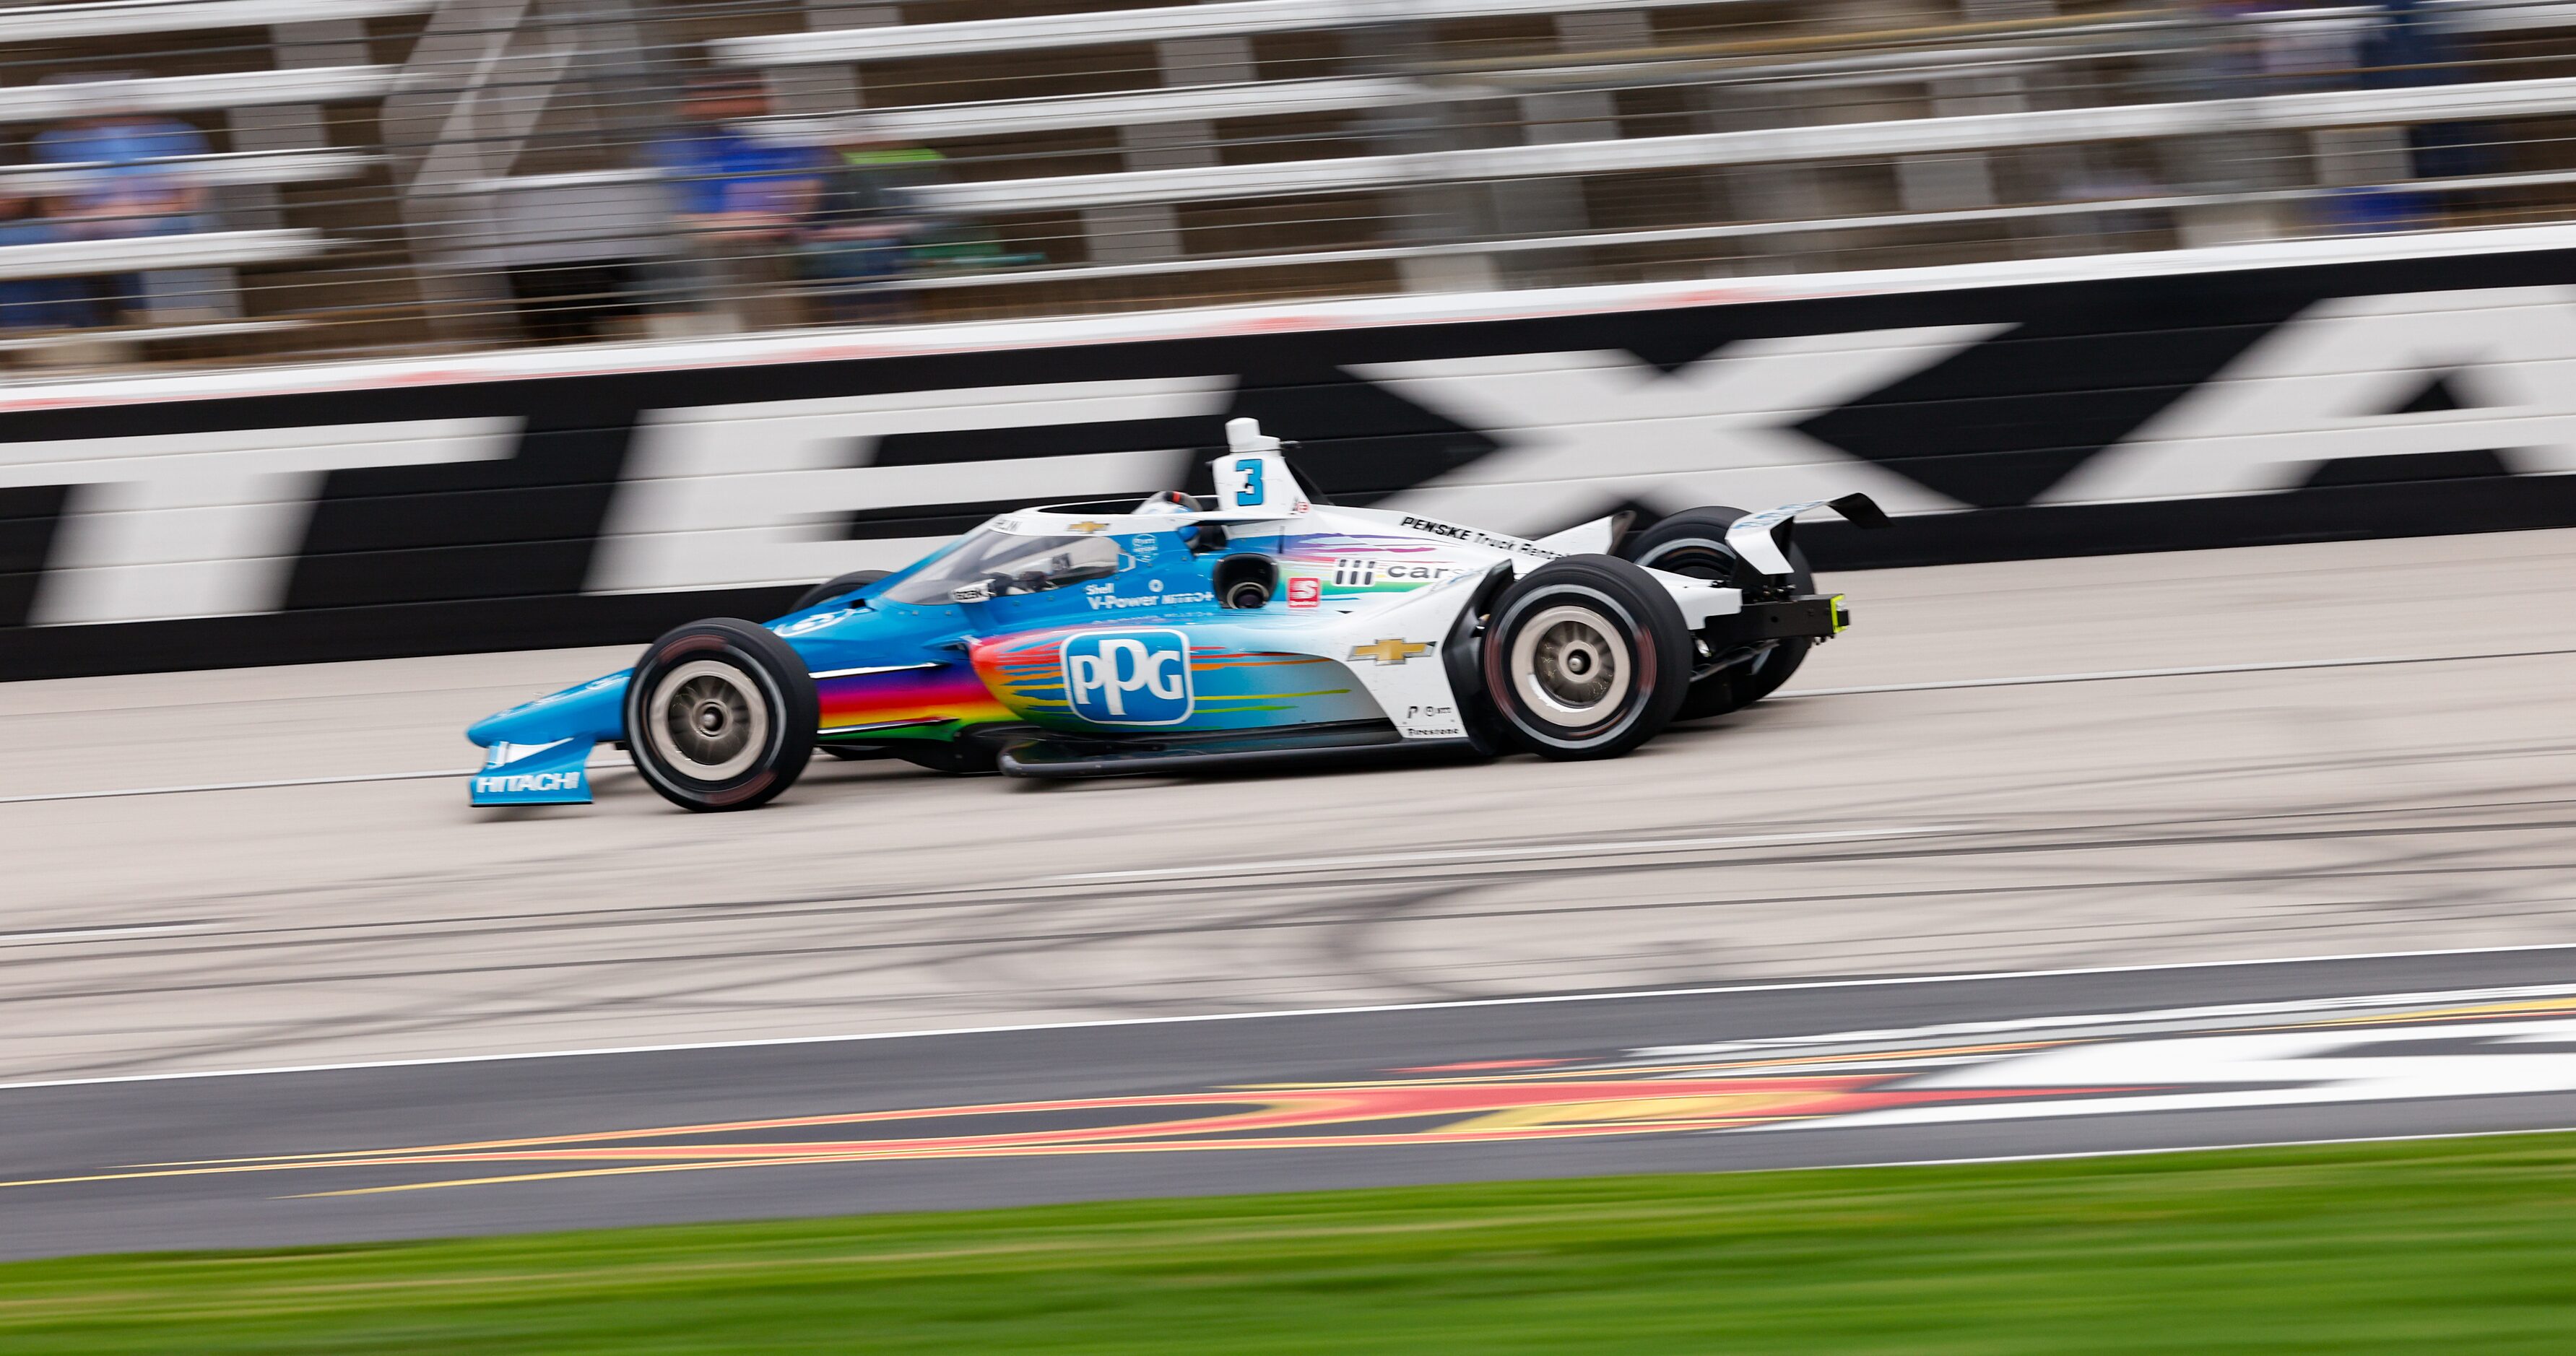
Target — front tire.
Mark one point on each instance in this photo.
(1693, 543)
(1586, 657)
(720, 715)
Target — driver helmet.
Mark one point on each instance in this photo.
(1167, 502)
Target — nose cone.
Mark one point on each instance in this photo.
(594, 709)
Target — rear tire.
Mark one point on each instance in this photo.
(835, 587)
(1586, 657)
(720, 715)
(1693, 543)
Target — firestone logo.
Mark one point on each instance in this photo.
(1129, 677)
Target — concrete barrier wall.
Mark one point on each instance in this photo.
(2370, 387)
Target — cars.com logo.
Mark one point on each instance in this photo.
(1128, 677)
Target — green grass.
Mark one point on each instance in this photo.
(2426, 1246)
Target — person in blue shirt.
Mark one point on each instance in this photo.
(738, 201)
(863, 227)
(132, 183)
(2412, 45)
(39, 303)
(128, 188)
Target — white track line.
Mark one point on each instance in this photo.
(2115, 675)
(241, 786)
(1504, 854)
(1954, 1031)
(2024, 680)
(2061, 1155)
(263, 786)
(1534, 1000)
(50, 937)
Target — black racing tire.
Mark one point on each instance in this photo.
(720, 715)
(835, 587)
(1585, 657)
(1693, 542)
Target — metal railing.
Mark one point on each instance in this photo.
(253, 180)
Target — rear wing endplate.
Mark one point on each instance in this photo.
(1761, 540)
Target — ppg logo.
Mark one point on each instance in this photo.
(1128, 677)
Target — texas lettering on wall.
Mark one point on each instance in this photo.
(287, 523)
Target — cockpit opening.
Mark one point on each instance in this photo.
(990, 564)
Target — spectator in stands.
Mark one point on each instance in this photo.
(738, 201)
(37, 303)
(2406, 46)
(864, 227)
(128, 188)
(2228, 51)
(2410, 46)
(2232, 168)
(2310, 46)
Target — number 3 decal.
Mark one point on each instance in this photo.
(1251, 493)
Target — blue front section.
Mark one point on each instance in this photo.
(589, 714)
(910, 669)
(546, 774)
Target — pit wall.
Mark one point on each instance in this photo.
(2381, 386)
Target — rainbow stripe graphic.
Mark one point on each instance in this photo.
(1232, 688)
(910, 703)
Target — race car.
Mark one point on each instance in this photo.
(1176, 634)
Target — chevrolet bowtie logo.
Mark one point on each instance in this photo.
(1087, 525)
(1390, 651)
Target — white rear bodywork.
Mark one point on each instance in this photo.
(1391, 642)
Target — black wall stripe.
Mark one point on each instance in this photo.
(522, 527)
(28, 515)
(415, 560)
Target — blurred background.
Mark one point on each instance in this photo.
(209, 181)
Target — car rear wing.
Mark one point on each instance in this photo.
(1761, 540)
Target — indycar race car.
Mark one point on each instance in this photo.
(1173, 634)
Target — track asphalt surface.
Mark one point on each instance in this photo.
(1780, 1077)
(2328, 810)
(2243, 776)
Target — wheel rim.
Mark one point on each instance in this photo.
(1570, 664)
(707, 721)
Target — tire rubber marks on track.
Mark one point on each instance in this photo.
(1513, 852)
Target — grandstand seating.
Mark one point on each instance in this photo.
(1104, 28)
(392, 168)
(73, 258)
(1913, 136)
(127, 18)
